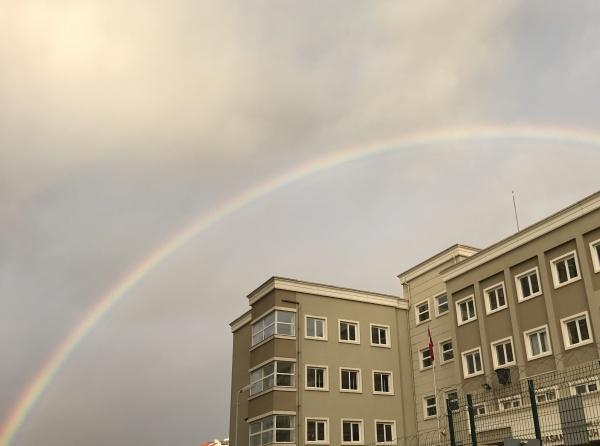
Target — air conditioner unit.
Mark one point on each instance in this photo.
(503, 376)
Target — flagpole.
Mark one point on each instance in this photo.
(437, 406)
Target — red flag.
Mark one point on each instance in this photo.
(430, 345)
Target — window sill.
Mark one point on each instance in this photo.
(442, 314)
(460, 324)
(424, 369)
(541, 355)
(417, 323)
(446, 362)
(381, 345)
(350, 391)
(531, 296)
(315, 338)
(496, 310)
(504, 366)
(473, 375)
(317, 389)
(341, 341)
(384, 393)
(579, 344)
(568, 282)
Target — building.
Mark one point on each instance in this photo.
(527, 306)
(317, 364)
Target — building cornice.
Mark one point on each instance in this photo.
(241, 321)
(298, 286)
(554, 221)
(437, 260)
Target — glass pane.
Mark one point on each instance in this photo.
(572, 267)
(355, 432)
(345, 380)
(285, 367)
(583, 329)
(285, 380)
(388, 432)
(592, 387)
(311, 431)
(343, 331)
(256, 388)
(283, 421)
(377, 383)
(535, 287)
(464, 315)
(319, 328)
(385, 383)
(255, 440)
(320, 378)
(346, 431)
(509, 353)
(310, 377)
(310, 327)
(267, 424)
(267, 437)
(268, 369)
(352, 332)
(573, 335)
(269, 319)
(269, 331)
(353, 380)
(285, 316)
(380, 433)
(525, 286)
(283, 436)
(257, 338)
(285, 329)
(543, 343)
(255, 427)
(562, 272)
(268, 382)
(321, 431)
(374, 335)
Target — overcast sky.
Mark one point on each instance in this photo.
(122, 121)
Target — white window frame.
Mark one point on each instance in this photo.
(441, 351)
(518, 277)
(437, 304)
(390, 382)
(528, 350)
(317, 419)
(459, 321)
(426, 406)
(595, 255)
(273, 361)
(387, 335)
(565, 332)
(510, 398)
(275, 323)
(486, 298)
(418, 313)
(273, 417)
(316, 338)
(544, 391)
(348, 321)
(561, 258)
(394, 433)
(421, 366)
(464, 363)
(325, 377)
(503, 341)
(358, 379)
(361, 430)
(591, 379)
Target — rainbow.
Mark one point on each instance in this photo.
(49, 369)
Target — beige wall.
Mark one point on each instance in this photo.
(240, 378)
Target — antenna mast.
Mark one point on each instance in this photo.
(515, 207)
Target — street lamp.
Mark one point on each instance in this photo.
(237, 410)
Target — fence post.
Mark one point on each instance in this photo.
(471, 420)
(450, 423)
(534, 411)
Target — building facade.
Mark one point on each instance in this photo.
(316, 364)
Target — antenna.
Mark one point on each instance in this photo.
(515, 206)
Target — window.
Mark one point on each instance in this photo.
(350, 380)
(352, 431)
(595, 248)
(384, 431)
(276, 373)
(349, 332)
(537, 342)
(316, 377)
(380, 335)
(479, 409)
(317, 430)
(528, 285)
(502, 353)
(429, 406)
(575, 330)
(546, 395)
(512, 402)
(452, 400)
(441, 304)
(565, 269)
(465, 310)
(277, 322)
(316, 328)
(495, 299)
(426, 360)
(382, 382)
(584, 387)
(447, 351)
(422, 312)
(273, 429)
(472, 365)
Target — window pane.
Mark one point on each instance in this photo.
(345, 380)
(583, 329)
(380, 433)
(311, 377)
(311, 431)
(283, 436)
(310, 327)
(285, 380)
(321, 431)
(383, 336)
(269, 331)
(388, 432)
(535, 287)
(255, 440)
(509, 353)
(319, 328)
(355, 432)
(344, 331)
(562, 271)
(285, 367)
(285, 316)
(572, 267)
(285, 329)
(525, 286)
(572, 330)
(351, 332)
(347, 432)
(268, 369)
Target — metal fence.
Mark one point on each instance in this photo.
(557, 408)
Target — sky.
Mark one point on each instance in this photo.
(121, 122)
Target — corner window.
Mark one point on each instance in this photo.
(565, 269)
(528, 285)
(495, 300)
(316, 377)
(273, 374)
(595, 249)
(584, 387)
(441, 304)
(348, 331)
(425, 358)
(384, 431)
(277, 322)
(422, 312)
(447, 351)
(465, 310)
(502, 353)
(472, 365)
(317, 430)
(512, 402)
(316, 328)
(273, 429)
(350, 380)
(382, 382)
(537, 342)
(352, 431)
(380, 335)
(576, 331)
(429, 407)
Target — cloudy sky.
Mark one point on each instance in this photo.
(123, 121)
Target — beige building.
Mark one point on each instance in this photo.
(316, 364)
